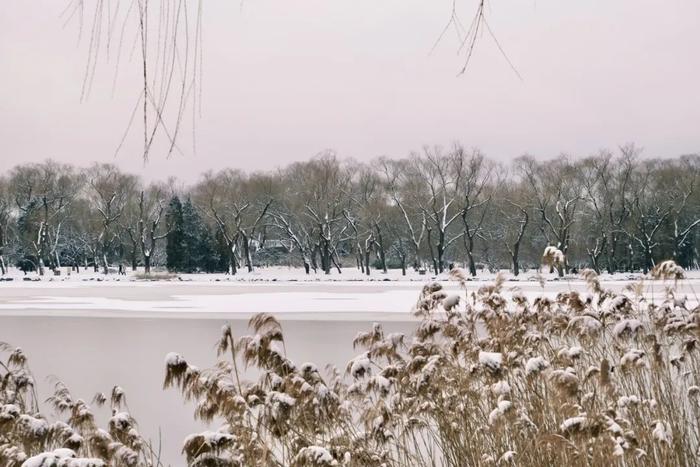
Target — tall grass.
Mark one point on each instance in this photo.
(488, 377)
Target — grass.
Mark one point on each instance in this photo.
(584, 379)
(155, 276)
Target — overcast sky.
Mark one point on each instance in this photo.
(284, 80)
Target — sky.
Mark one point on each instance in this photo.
(283, 81)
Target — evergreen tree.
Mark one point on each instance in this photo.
(220, 246)
(196, 239)
(175, 250)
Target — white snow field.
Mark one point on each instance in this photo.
(96, 334)
(282, 291)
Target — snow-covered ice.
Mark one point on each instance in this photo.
(295, 295)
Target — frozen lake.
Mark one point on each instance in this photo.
(94, 335)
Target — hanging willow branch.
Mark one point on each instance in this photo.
(170, 63)
(168, 37)
(469, 37)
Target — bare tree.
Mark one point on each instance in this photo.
(5, 219)
(512, 213)
(608, 210)
(237, 204)
(557, 189)
(146, 227)
(475, 185)
(286, 217)
(682, 188)
(650, 210)
(323, 185)
(441, 206)
(403, 186)
(109, 191)
(43, 193)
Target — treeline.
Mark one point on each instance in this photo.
(613, 211)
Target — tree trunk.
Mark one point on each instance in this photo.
(648, 260)
(3, 269)
(416, 258)
(470, 255)
(611, 263)
(432, 254)
(326, 258)
(336, 262)
(147, 264)
(232, 260)
(594, 262)
(367, 269)
(360, 260)
(246, 252)
(105, 264)
(471, 263)
(440, 252)
(380, 245)
(314, 259)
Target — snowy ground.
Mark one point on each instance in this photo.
(274, 274)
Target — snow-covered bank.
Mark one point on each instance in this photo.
(16, 277)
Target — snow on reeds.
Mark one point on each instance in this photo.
(590, 379)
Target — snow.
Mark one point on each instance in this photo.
(500, 388)
(501, 409)
(573, 423)
(173, 359)
(36, 427)
(210, 439)
(120, 421)
(317, 455)
(627, 326)
(491, 360)
(281, 398)
(451, 301)
(633, 356)
(535, 365)
(662, 433)
(625, 401)
(61, 458)
(360, 366)
(279, 291)
(9, 412)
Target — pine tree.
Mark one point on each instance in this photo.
(192, 236)
(175, 249)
